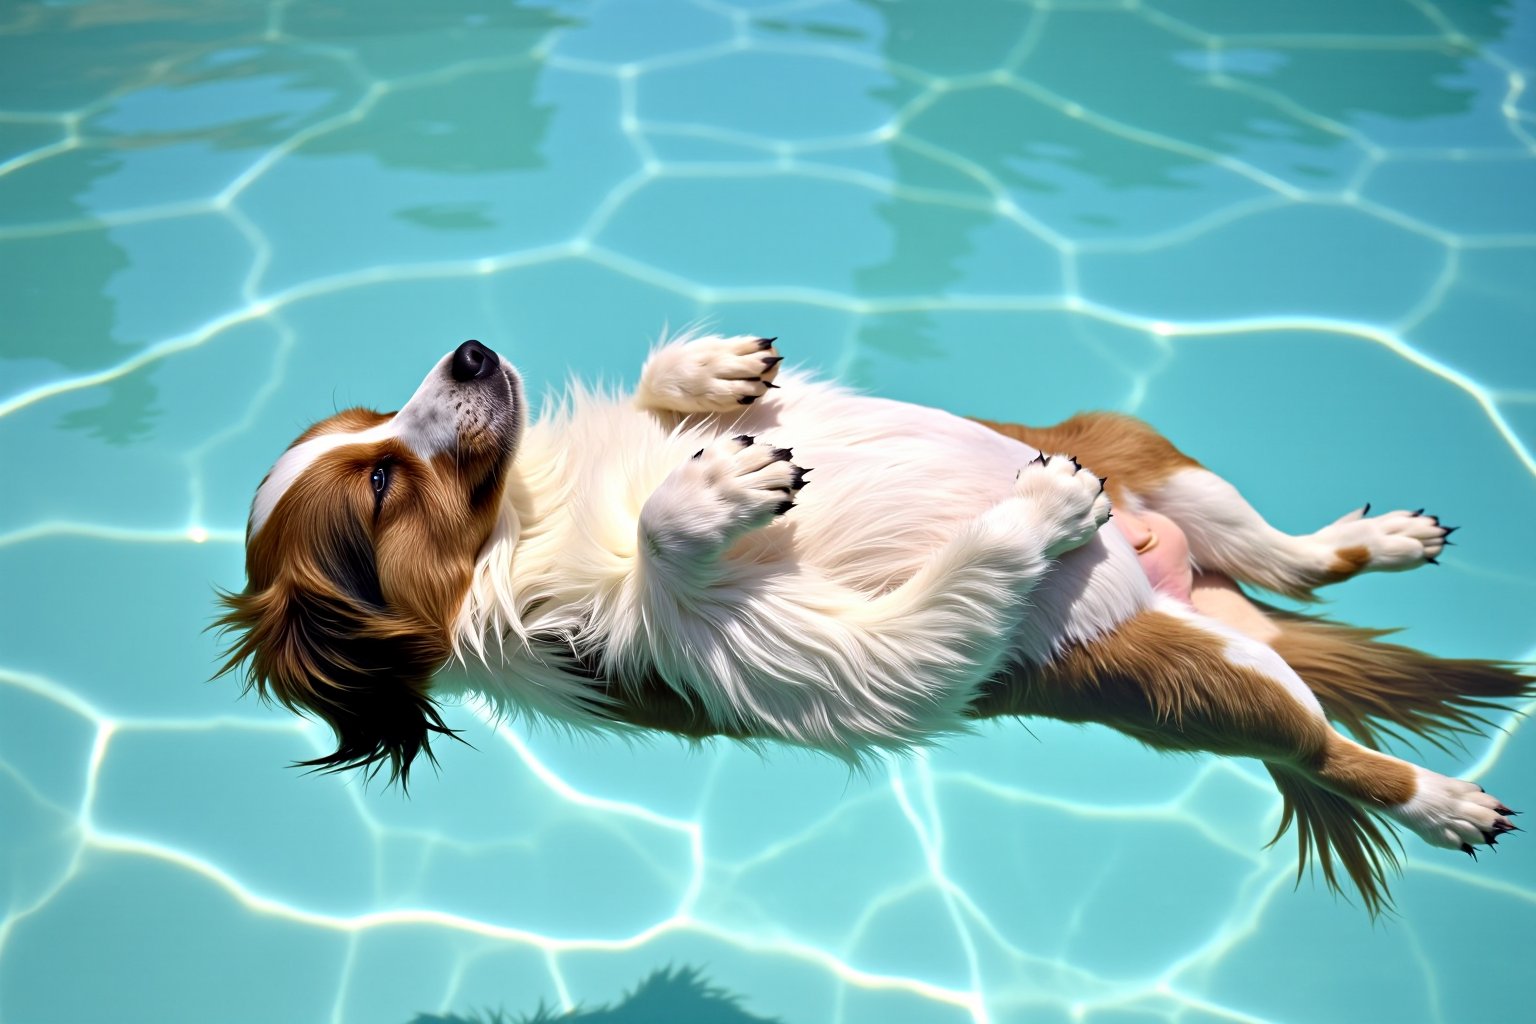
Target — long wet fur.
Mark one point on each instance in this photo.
(1331, 830)
(1383, 691)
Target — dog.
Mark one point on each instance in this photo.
(737, 550)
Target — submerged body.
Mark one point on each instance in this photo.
(668, 561)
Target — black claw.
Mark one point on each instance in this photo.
(1500, 827)
(1039, 457)
(1449, 530)
(1365, 511)
(1431, 560)
(1466, 848)
(769, 362)
(1505, 810)
(797, 478)
(783, 454)
(1045, 460)
(784, 506)
(771, 384)
(746, 399)
(1418, 511)
(699, 453)
(1101, 483)
(1491, 838)
(746, 439)
(763, 343)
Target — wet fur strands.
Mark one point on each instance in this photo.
(735, 550)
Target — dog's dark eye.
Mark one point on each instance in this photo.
(380, 479)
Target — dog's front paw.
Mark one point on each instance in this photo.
(1390, 542)
(711, 374)
(1071, 502)
(748, 483)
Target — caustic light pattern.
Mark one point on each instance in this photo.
(1299, 237)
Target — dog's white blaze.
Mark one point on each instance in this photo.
(426, 424)
(296, 461)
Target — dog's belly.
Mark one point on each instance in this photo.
(892, 482)
(889, 482)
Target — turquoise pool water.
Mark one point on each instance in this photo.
(1299, 237)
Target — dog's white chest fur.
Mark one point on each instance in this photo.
(818, 625)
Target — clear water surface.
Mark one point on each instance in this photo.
(1299, 237)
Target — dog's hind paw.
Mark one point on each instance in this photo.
(1070, 501)
(1390, 542)
(711, 374)
(1454, 814)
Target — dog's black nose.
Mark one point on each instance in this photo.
(471, 361)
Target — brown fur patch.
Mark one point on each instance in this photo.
(1135, 458)
(349, 421)
(1346, 563)
(1360, 774)
(1168, 683)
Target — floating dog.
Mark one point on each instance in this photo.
(739, 551)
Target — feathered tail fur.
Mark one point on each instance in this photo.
(1379, 690)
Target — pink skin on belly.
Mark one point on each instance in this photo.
(1164, 554)
(1163, 551)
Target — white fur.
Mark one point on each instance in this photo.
(912, 568)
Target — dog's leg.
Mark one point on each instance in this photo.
(708, 374)
(1224, 532)
(1227, 535)
(768, 647)
(1176, 681)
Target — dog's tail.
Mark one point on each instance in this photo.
(1379, 690)
(1336, 833)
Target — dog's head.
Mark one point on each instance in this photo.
(360, 548)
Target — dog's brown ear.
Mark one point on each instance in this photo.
(360, 668)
